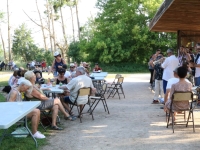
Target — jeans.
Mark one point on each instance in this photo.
(164, 86)
(197, 81)
(158, 89)
(151, 77)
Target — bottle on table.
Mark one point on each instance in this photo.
(60, 83)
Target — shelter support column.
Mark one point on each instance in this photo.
(178, 39)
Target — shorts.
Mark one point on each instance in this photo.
(48, 104)
(67, 100)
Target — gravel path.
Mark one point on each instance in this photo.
(133, 124)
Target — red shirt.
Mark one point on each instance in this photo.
(97, 69)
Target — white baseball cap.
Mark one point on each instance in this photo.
(72, 64)
(56, 53)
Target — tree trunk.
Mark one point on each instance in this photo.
(72, 22)
(4, 50)
(44, 38)
(9, 47)
(49, 26)
(63, 26)
(76, 4)
(52, 21)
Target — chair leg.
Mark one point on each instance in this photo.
(188, 118)
(168, 119)
(111, 93)
(122, 90)
(102, 100)
(91, 111)
(42, 126)
(79, 113)
(193, 121)
(173, 122)
(106, 105)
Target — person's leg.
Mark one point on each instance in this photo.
(156, 94)
(60, 107)
(35, 118)
(54, 114)
(161, 88)
(164, 86)
(151, 77)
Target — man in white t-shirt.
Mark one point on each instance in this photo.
(80, 81)
(170, 63)
(196, 64)
(67, 73)
(170, 82)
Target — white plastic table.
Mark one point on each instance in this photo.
(12, 112)
(99, 74)
(52, 89)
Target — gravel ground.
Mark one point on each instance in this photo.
(133, 124)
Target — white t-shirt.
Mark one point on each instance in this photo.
(174, 81)
(197, 71)
(77, 83)
(32, 63)
(67, 74)
(169, 65)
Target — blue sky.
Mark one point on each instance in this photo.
(17, 17)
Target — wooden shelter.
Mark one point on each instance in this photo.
(181, 16)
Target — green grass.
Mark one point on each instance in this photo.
(12, 143)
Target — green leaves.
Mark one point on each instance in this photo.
(120, 33)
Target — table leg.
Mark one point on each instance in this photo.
(3, 135)
(26, 126)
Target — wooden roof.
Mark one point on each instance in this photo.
(174, 15)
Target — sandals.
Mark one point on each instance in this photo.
(56, 128)
(71, 118)
(155, 102)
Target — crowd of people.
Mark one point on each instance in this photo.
(174, 73)
(25, 85)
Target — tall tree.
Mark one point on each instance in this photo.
(121, 32)
(49, 25)
(77, 17)
(42, 26)
(23, 44)
(2, 40)
(8, 16)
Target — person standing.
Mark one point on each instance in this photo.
(196, 64)
(170, 63)
(158, 79)
(57, 63)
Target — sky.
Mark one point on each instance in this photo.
(17, 17)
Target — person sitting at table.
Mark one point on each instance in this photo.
(15, 96)
(61, 78)
(12, 78)
(181, 85)
(97, 68)
(46, 103)
(72, 70)
(67, 73)
(80, 81)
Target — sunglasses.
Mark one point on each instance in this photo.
(198, 48)
(71, 67)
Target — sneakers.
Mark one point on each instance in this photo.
(39, 135)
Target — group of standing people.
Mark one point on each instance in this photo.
(174, 74)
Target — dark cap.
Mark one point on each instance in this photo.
(64, 66)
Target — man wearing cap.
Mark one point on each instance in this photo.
(97, 68)
(57, 63)
(170, 63)
(72, 70)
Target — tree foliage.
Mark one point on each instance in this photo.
(24, 48)
(120, 32)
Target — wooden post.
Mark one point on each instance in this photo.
(178, 39)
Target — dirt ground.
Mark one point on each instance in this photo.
(133, 124)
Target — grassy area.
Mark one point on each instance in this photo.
(13, 143)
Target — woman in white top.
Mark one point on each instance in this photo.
(15, 95)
